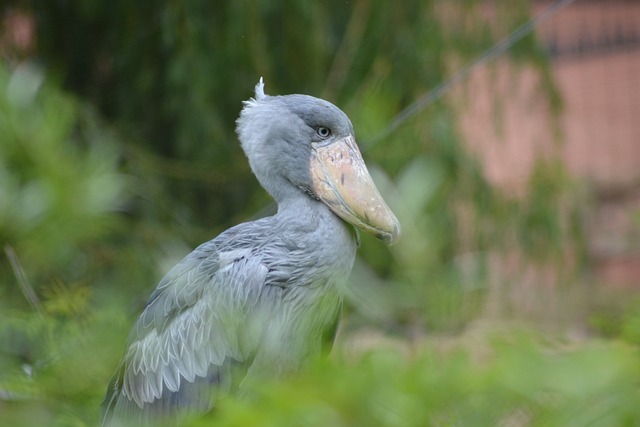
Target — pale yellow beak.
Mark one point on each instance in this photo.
(342, 181)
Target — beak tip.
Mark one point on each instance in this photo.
(395, 235)
(392, 237)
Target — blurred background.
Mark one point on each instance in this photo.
(513, 297)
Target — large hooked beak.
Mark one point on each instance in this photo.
(341, 180)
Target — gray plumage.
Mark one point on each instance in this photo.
(256, 300)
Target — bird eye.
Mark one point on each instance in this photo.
(323, 132)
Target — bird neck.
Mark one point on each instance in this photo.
(297, 202)
(278, 187)
(299, 209)
(312, 216)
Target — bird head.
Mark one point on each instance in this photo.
(298, 142)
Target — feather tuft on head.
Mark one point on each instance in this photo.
(259, 96)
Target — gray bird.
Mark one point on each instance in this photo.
(260, 299)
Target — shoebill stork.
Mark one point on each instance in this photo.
(261, 298)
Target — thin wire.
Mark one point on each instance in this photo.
(494, 51)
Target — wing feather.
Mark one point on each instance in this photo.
(186, 337)
(207, 315)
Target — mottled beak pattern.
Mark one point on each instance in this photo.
(341, 180)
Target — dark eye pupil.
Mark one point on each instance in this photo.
(323, 132)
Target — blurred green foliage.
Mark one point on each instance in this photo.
(118, 155)
(60, 180)
(519, 384)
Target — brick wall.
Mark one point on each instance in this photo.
(595, 52)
